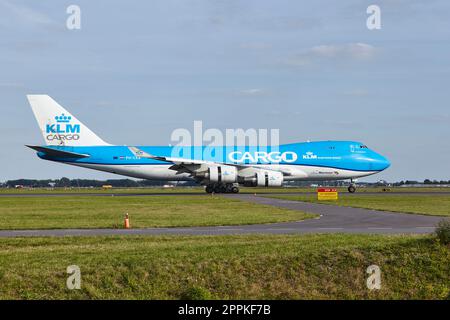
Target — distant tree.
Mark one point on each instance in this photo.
(64, 182)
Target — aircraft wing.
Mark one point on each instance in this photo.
(192, 166)
(180, 165)
(179, 161)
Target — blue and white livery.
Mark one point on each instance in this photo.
(219, 168)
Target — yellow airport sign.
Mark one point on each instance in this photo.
(327, 194)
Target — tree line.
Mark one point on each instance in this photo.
(86, 183)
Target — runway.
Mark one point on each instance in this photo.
(333, 219)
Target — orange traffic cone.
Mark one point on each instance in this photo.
(127, 221)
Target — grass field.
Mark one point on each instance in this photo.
(437, 205)
(227, 267)
(155, 211)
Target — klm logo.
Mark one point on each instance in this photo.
(57, 128)
(62, 129)
(309, 155)
(63, 125)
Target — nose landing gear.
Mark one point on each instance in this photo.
(352, 187)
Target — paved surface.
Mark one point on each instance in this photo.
(332, 219)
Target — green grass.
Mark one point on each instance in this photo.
(225, 267)
(437, 205)
(155, 211)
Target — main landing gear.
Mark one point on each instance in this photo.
(222, 188)
(352, 187)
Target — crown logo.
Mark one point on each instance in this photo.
(63, 118)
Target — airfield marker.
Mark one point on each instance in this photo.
(127, 221)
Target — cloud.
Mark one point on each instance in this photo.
(353, 50)
(252, 92)
(349, 51)
(25, 15)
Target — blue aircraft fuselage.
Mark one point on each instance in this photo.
(338, 156)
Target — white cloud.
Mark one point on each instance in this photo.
(252, 92)
(349, 51)
(25, 14)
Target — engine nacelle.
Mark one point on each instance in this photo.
(222, 174)
(265, 179)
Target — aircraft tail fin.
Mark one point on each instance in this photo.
(58, 126)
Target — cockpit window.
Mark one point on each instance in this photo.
(363, 146)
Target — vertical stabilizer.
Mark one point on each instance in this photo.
(58, 126)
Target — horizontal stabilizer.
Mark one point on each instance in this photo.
(58, 153)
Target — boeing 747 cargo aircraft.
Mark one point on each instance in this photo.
(219, 168)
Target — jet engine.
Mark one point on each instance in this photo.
(222, 174)
(265, 179)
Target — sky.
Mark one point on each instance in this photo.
(137, 70)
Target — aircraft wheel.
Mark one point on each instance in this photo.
(351, 189)
(235, 189)
(209, 189)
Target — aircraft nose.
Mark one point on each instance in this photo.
(382, 163)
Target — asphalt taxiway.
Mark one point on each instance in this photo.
(331, 219)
